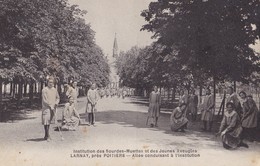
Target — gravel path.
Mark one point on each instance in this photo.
(120, 136)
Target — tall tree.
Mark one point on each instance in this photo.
(212, 36)
(47, 37)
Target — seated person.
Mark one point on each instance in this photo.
(231, 129)
(178, 118)
(70, 116)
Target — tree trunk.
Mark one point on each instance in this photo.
(200, 94)
(173, 93)
(1, 96)
(214, 89)
(4, 90)
(214, 94)
(35, 88)
(25, 89)
(14, 89)
(30, 93)
(11, 88)
(59, 88)
(20, 93)
(223, 109)
(235, 86)
(168, 94)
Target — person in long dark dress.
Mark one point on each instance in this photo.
(230, 129)
(91, 108)
(193, 105)
(154, 106)
(233, 97)
(249, 117)
(178, 118)
(207, 111)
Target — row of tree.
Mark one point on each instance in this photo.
(48, 37)
(197, 41)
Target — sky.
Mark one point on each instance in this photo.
(122, 17)
(107, 17)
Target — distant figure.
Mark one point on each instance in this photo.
(50, 101)
(111, 92)
(70, 116)
(66, 88)
(124, 93)
(154, 106)
(92, 98)
(120, 92)
(102, 92)
(249, 117)
(230, 129)
(233, 98)
(178, 118)
(73, 93)
(183, 97)
(193, 105)
(207, 110)
(107, 92)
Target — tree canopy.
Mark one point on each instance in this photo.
(49, 37)
(209, 36)
(197, 42)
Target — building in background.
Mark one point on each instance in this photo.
(114, 78)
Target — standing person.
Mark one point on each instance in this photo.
(233, 98)
(92, 98)
(50, 100)
(107, 92)
(70, 116)
(114, 92)
(249, 117)
(207, 110)
(120, 92)
(67, 88)
(75, 93)
(178, 118)
(102, 92)
(154, 106)
(230, 129)
(111, 92)
(183, 97)
(124, 93)
(193, 105)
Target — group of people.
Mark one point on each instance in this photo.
(70, 115)
(112, 92)
(239, 120)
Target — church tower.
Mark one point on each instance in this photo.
(115, 48)
(114, 78)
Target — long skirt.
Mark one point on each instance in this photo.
(91, 108)
(232, 139)
(48, 117)
(154, 110)
(192, 109)
(178, 124)
(70, 124)
(207, 115)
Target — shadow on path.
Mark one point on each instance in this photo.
(138, 120)
(36, 140)
(14, 115)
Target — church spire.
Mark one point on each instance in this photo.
(115, 48)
